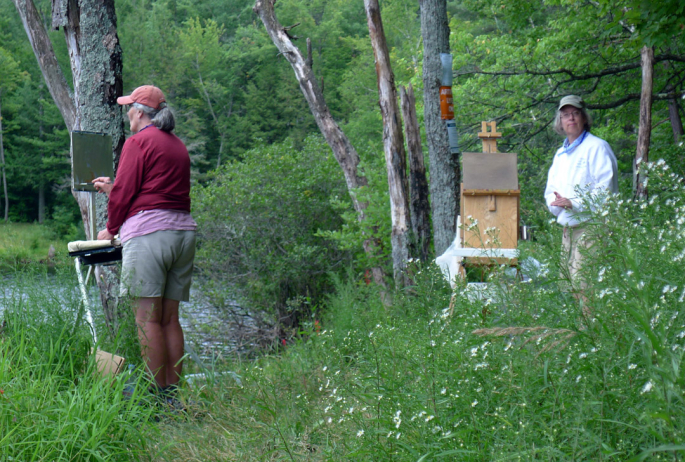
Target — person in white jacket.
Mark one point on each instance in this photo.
(583, 173)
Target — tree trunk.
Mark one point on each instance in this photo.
(95, 55)
(418, 191)
(674, 115)
(52, 73)
(344, 152)
(2, 163)
(393, 143)
(444, 166)
(645, 130)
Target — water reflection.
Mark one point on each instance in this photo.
(213, 333)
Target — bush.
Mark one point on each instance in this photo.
(257, 224)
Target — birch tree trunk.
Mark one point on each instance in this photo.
(393, 143)
(444, 166)
(2, 163)
(95, 56)
(344, 152)
(418, 183)
(645, 130)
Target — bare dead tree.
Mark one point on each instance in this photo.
(418, 183)
(645, 130)
(344, 152)
(393, 143)
(95, 55)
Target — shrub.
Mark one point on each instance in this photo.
(257, 224)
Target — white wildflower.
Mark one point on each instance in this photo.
(360, 433)
(648, 387)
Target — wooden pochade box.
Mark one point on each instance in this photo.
(490, 200)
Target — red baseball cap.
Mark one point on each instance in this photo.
(147, 95)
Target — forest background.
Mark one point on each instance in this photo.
(255, 146)
(514, 373)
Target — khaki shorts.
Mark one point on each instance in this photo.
(572, 241)
(159, 264)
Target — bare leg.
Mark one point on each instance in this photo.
(152, 340)
(173, 336)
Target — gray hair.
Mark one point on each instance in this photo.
(557, 121)
(161, 118)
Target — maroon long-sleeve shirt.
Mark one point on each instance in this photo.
(154, 173)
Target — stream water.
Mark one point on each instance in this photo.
(211, 333)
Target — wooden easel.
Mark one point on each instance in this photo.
(490, 196)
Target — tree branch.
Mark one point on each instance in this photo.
(572, 75)
(45, 54)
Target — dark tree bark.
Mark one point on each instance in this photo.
(393, 144)
(674, 116)
(2, 164)
(444, 166)
(418, 183)
(645, 130)
(95, 54)
(344, 152)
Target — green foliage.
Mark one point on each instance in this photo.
(376, 225)
(53, 404)
(514, 60)
(513, 370)
(23, 244)
(258, 221)
(651, 23)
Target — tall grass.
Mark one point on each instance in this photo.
(520, 372)
(53, 404)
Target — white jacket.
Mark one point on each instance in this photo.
(586, 174)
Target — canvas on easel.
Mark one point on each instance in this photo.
(91, 157)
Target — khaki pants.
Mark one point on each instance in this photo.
(572, 242)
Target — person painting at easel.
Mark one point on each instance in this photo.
(149, 206)
(584, 163)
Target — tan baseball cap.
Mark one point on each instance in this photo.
(572, 100)
(147, 95)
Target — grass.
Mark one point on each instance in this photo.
(25, 244)
(53, 404)
(513, 373)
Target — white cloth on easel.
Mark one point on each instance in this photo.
(79, 246)
(449, 262)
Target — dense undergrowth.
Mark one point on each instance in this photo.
(53, 404)
(516, 371)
